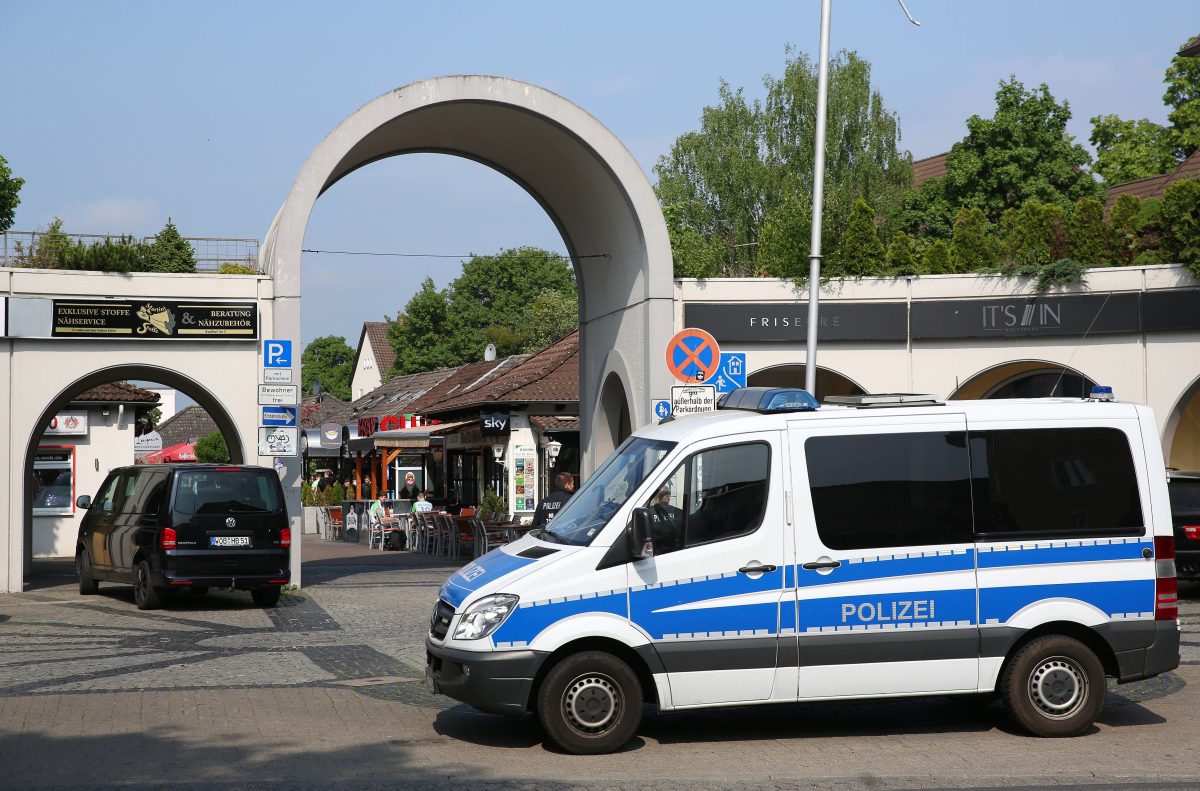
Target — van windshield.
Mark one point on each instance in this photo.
(234, 491)
(586, 514)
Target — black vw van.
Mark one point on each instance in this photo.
(186, 526)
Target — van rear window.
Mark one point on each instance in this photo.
(227, 491)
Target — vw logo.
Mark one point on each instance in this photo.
(230, 522)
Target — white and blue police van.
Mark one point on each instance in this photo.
(776, 550)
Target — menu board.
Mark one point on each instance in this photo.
(524, 485)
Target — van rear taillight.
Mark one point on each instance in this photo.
(285, 537)
(229, 469)
(166, 539)
(1192, 532)
(1166, 587)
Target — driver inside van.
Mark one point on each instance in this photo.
(667, 527)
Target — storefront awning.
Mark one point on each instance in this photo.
(419, 437)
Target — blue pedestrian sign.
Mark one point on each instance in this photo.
(277, 354)
(732, 373)
(279, 415)
(662, 409)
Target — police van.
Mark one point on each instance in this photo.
(777, 550)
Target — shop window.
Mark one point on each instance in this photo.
(54, 482)
(464, 479)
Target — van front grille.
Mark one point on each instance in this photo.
(439, 624)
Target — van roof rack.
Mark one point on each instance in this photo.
(878, 400)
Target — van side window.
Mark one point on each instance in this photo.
(110, 494)
(712, 496)
(143, 492)
(890, 490)
(1045, 483)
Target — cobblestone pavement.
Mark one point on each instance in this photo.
(325, 691)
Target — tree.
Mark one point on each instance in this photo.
(1179, 223)
(739, 188)
(862, 252)
(1183, 97)
(1123, 241)
(211, 449)
(901, 255)
(330, 361)
(1088, 234)
(550, 316)
(10, 185)
(973, 246)
(1021, 153)
(937, 259)
(170, 252)
(421, 335)
(1129, 150)
(1035, 235)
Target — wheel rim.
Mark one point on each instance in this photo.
(592, 703)
(139, 590)
(1058, 687)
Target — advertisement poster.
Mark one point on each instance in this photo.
(524, 477)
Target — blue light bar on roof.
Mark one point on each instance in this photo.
(769, 400)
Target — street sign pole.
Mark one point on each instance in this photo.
(814, 258)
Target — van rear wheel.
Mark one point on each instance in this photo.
(1054, 686)
(590, 703)
(145, 595)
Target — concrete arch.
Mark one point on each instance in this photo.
(983, 383)
(612, 416)
(587, 181)
(829, 381)
(1181, 430)
(212, 404)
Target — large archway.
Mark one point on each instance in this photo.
(829, 381)
(579, 172)
(1181, 431)
(1025, 379)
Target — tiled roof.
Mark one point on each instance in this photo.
(929, 168)
(465, 381)
(1155, 186)
(546, 423)
(375, 333)
(118, 392)
(316, 409)
(187, 424)
(394, 396)
(1191, 49)
(550, 375)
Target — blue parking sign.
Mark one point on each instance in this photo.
(732, 372)
(277, 354)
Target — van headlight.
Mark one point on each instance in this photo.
(485, 616)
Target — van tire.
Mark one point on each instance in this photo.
(265, 597)
(88, 584)
(145, 595)
(1054, 686)
(585, 688)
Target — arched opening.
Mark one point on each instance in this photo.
(1025, 379)
(1181, 433)
(614, 424)
(589, 185)
(829, 382)
(48, 457)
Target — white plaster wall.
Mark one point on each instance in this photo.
(366, 375)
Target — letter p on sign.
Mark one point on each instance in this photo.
(277, 354)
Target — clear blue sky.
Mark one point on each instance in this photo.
(120, 114)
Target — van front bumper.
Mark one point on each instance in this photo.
(497, 682)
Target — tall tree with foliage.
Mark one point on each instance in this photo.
(170, 252)
(1179, 223)
(1123, 239)
(901, 256)
(973, 246)
(420, 337)
(330, 361)
(10, 185)
(1088, 233)
(862, 252)
(742, 182)
(936, 260)
(1128, 150)
(211, 449)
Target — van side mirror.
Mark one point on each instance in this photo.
(638, 535)
(83, 501)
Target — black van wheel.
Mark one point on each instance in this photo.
(1054, 687)
(590, 703)
(88, 584)
(145, 595)
(265, 597)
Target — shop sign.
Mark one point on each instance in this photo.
(495, 424)
(1077, 314)
(277, 441)
(692, 399)
(150, 442)
(68, 424)
(367, 426)
(331, 435)
(750, 322)
(153, 319)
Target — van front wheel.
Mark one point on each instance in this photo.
(590, 703)
(1054, 686)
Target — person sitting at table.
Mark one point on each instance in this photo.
(381, 513)
(421, 505)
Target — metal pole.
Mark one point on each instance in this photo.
(814, 258)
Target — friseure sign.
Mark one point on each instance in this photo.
(1040, 316)
(154, 319)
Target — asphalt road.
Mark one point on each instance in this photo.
(325, 692)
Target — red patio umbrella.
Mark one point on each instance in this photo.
(184, 451)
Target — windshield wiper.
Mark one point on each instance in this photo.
(546, 534)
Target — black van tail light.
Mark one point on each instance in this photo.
(166, 538)
(1192, 532)
(1166, 586)
(281, 582)
(229, 469)
(285, 537)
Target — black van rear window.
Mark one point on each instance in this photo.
(218, 491)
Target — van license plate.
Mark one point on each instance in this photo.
(229, 541)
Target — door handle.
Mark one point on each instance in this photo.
(757, 569)
(816, 565)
